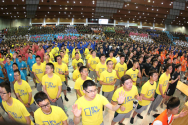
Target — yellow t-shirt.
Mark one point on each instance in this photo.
(76, 74)
(1, 60)
(10, 55)
(108, 77)
(113, 60)
(92, 111)
(55, 117)
(17, 110)
(74, 62)
(128, 103)
(100, 68)
(88, 56)
(45, 62)
(73, 54)
(133, 74)
(51, 56)
(39, 70)
(163, 80)
(67, 51)
(52, 85)
(93, 62)
(65, 60)
(147, 90)
(78, 85)
(23, 91)
(121, 69)
(86, 52)
(55, 51)
(63, 67)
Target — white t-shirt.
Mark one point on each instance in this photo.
(160, 123)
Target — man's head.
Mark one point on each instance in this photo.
(178, 67)
(135, 64)
(5, 91)
(62, 53)
(140, 58)
(93, 53)
(14, 66)
(90, 89)
(79, 64)
(49, 68)
(20, 58)
(168, 68)
(83, 71)
(59, 59)
(111, 54)
(173, 105)
(77, 55)
(42, 101)
(155, 62)
(38, 59)
(17, 75)
(109, 64)
(8, 59)
(30, 54)
(122, 58)
(127, 82)
(102, 57)
(153, 75)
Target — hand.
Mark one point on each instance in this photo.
(121, 97)
(152, 99)
(183, 113)
(164, 95)
(60, 72)
(179, 77)
(122, 108)
(14, 55)
(112, 83)
(139, 98)
(26, 105)
(21, 68)
(77, 112)
(54, 100)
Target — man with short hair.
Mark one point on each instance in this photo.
(24, 93)
(52, 86)
(76, 60)
(89, 106)
(14, 108)
(79, 82)
(112, 58)
(126, 108)
(61, 70)
(107, 80)
(22, 66)
(76, 74)
(168, 115)
(48, 114)
(147, 94)
(92, 62)
(39, 70)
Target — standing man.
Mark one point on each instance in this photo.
(121, 69)
(126, 108)
(79, 82)
(61, 70)
(107, 80)
(52, 86)
(76, 74)
(39, 70)
(147, 94)
(14, 108)
(22, 66)
(161, 88)
(89, 106)
(112, 59)
(76, 60)
(101, 66)
(48, 114)
(24, 93)
(92, 62)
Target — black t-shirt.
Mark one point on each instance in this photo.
(141, 67)
(152, 68)
(173, 69)
(159, 65)
(147, 68)
(174, 76)
(129, 65)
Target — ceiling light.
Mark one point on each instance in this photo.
(181, 13)
(48, 12)
(60, 7)
(119, 10)
(10, 13)
(143, 13)
(125, 5)
(3, 13)
(93, 9)
(83, 16)
(81, 13)
(153, 1)
(23, 7)
(167, 11)
(65, 8)
(18, 16)
(147, 8)
(24, 12)
(67, 1)
(45, 15)
(152, 9)
(49, 7)
(3, 1)
(25, 15)
(54, 1)
(41, 0)
(187, 6)
(2, 8)
(39, 7)
(102, 16)
(74, 2)
(129, 11)
(93, 2)
(157, 9)
(82, 8)
(125, 15)
(64, 12)
(170, 4)
(92, 16)
(149, 1)
(136, 7)
(12, 0)
(177, 17)
(6, 8)
(14, 7)
(59, 12)
(92, 13)
(71, 8)
(80, 1)
(183, 18)
(162, 3)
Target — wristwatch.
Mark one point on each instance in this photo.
(119, 104)
(28, 103)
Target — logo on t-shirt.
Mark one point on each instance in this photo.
(91, 111)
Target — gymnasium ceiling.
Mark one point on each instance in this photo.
(174, 12)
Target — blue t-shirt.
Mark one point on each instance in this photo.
(30, 62)
(1, 75)
(22, 65)
(10, 71)
(23, 77)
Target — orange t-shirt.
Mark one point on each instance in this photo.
(182, 58)
(183, 65)
(163, 57)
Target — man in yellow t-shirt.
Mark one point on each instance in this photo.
(107, 80)
(101, 66)
(52, 86)
(76, 51)
(55, 50)
(134, 72)
(79, 82)
(24, 93)
(161, 88)
(112, 58)
(48, 114)
(61, 70)
(89, 107)
(47, 59)
(88, 56)
(64, 59)
(39, 70)
(50, 54)
(147, 94)
(86, 52)
(76, 74)
(126, 108)
(14, 108)
(121, 69)
(92, 62)
(76, 60)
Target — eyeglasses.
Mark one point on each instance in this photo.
(44, 106)
(91, 91)
(16, 75)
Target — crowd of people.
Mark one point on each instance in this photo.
(114, 67)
